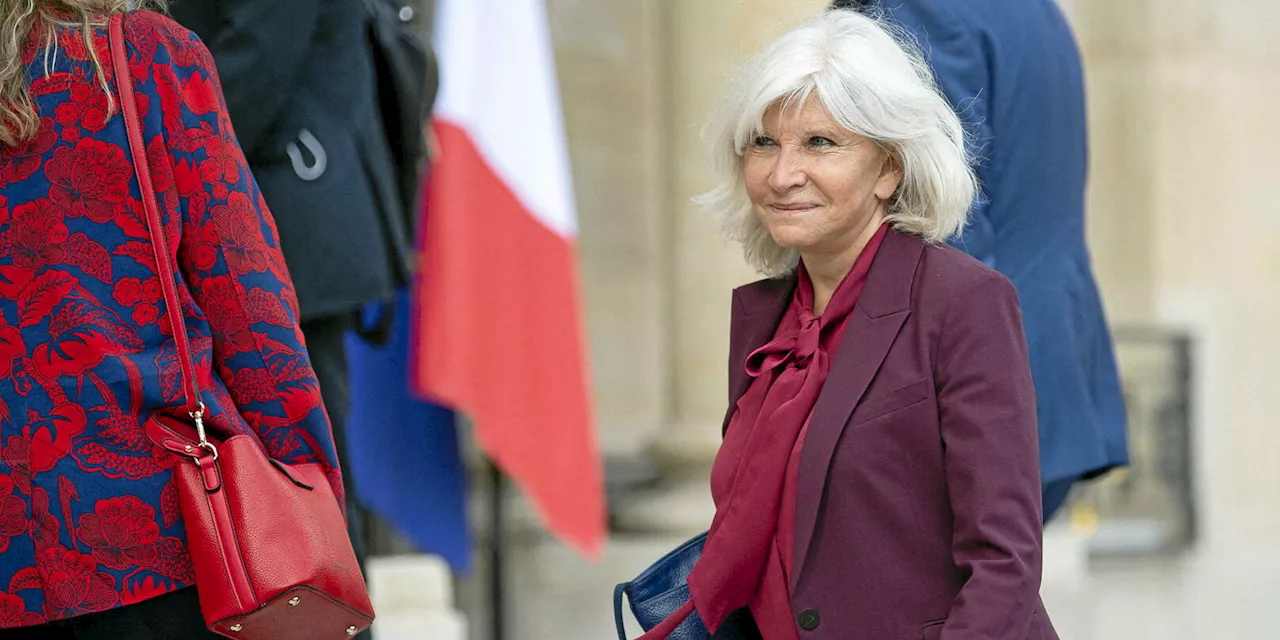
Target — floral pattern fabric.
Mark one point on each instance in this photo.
(89, 519)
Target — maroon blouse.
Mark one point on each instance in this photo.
(748, 558)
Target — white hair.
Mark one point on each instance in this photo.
(873, 81)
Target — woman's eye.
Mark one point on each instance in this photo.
(819, 141)
(762, 141)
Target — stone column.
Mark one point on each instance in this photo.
(700, 42)
(608, 72)
(705, 40)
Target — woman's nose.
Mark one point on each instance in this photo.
(788, 171)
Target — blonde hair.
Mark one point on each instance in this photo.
(19, 20)
(873, 81)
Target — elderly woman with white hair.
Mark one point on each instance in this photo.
(879, 474)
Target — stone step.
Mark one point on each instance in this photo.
(413, 595)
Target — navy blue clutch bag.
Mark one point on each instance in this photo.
(662, 590)
(658, 592)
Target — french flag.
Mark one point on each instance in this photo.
(498, 312)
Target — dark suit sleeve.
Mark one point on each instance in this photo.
(260, 47)
(988, 416)
(961, 62)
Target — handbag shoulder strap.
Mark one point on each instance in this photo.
(165, 266)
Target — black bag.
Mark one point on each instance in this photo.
(407, 82)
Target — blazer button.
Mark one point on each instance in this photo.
(809, 619)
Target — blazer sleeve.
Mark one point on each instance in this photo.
(988, 420)
(260, 47)
(230, 259)
(961, 61)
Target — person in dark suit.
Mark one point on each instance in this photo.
(879, 475)
(1012, 70)
(302, 85)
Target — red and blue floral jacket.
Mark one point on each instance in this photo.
(89, 519)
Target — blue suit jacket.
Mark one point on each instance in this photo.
(1012, 71)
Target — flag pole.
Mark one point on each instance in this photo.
(497, 553)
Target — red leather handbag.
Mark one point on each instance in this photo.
(268, 540)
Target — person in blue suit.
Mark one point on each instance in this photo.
(1012, 71)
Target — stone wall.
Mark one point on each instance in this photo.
(1184, 226)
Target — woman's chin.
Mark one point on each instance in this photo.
(796, 239)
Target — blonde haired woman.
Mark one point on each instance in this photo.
(92, 543)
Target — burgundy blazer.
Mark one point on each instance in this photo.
(918, 499)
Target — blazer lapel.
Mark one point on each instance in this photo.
(882, 309)
(757, 310)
